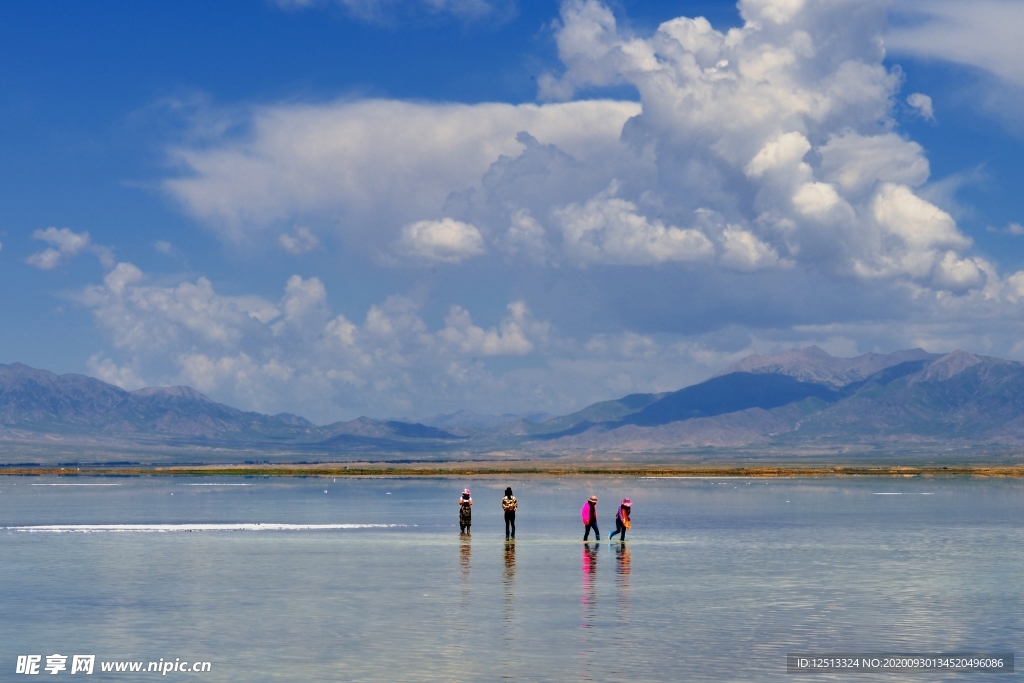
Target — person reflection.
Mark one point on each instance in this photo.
(465, 555)
(508, 577)
(465, 565)
(588, 563)
(510, 564)
(622, 567)
(589, 567)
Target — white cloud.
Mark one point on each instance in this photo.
(512, 339)
(66, 244)
(982, 34)
(526, 238)
(607, 229)
(300, 241)
(809, 130)
(442, 241)
(856, 162)
(744, 251)
(777, 11)
(923, 104)
(772, 149)
(786, 150)
(166, 248)
(107, 370)
(372, 160)
(295, 354)
(1012, 228)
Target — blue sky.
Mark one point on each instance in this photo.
(346, 207)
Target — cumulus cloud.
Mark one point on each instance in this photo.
(763, 172)
(923, 104)
(744, 251)
(301, 240)
(372, 161)
(526, 238)
(442, 241)
(65, 245)
(766, 112)
(269, 355)
(511, 339)
(607, 229)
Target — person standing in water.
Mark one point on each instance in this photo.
(509, 505)
(622, 519)
(589, 515)
(465, 512)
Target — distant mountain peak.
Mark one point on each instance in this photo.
(812, 364)
(949, 366)
(173, 392)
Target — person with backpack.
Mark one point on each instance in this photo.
(465, 512)
(622, 519)
(509, 505)
(589, 515)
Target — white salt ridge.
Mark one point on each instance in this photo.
(164, 528)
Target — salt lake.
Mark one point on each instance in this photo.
(282, 579)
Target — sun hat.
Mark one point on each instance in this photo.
(627, 502)
(593, 499)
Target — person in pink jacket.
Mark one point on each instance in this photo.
(589, 515)
(622, 523)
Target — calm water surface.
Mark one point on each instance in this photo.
(717, 580)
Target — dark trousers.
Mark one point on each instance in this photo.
(592, 525)
(510, 522)
(619, 529)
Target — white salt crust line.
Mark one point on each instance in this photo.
(902, 493)
(164, 528)
(74, 484)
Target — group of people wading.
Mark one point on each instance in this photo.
(588, 513)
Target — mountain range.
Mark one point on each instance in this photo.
(797, 401)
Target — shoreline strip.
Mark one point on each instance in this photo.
(448, 469)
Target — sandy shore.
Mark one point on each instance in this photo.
(529, 468)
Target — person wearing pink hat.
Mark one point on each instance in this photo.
(465, 512)
(589, 515)
(622, 519)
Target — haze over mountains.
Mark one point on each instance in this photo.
(799, 400)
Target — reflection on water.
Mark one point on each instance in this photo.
(622, 568)
(589, 566)
(721, 581)
(588, 602)
(465, 556)
(508, 578)
(508, 631)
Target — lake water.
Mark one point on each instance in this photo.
(717, 581)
